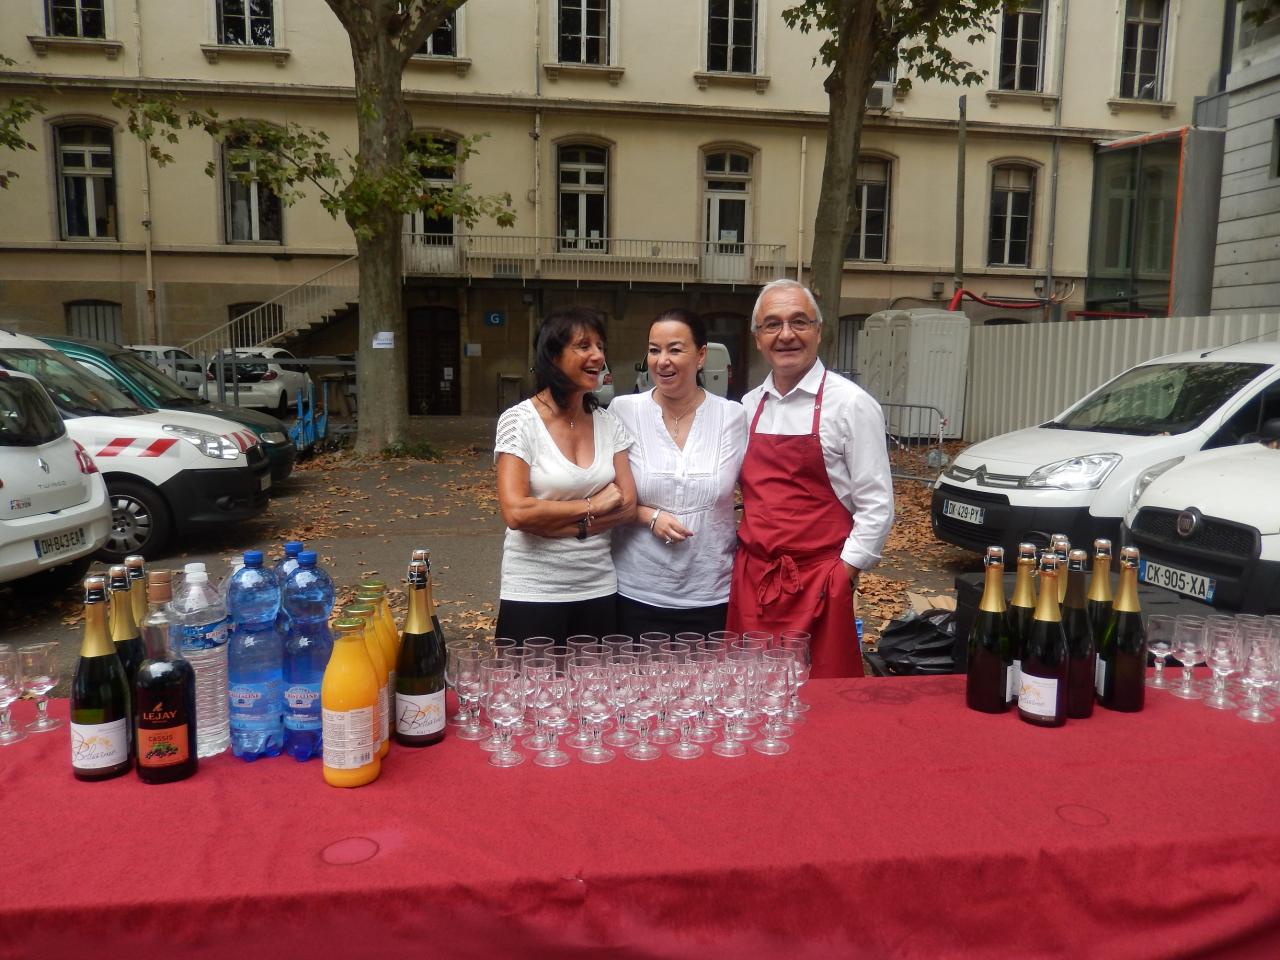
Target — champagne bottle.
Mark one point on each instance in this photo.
(136, 564)
(1042, 696)
(1099, 602)
(1122, 654)
(424, 555)
(349, 709)
(164, 694)
(367, 614)
(124, 628)
(1021, 606)
(420, 709)
(1061, 545)
(100, 705)
(1080, 642)
(987, 686)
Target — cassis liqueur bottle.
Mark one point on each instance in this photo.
(1042, 695)
(1099, 600)
(1122, 654)
(419, 694)
(990, 646)
(1080, 639)
(1021, 606)
(124, 628)
(101, 711)
(164, 699)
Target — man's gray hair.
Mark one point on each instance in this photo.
(786, 283)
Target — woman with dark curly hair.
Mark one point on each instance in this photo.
(564, 483)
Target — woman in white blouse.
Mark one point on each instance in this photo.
(564, 482)
(675, 560)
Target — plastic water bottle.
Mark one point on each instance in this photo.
(200, 631)
(308, 601)
(289, 562)
(255, 661)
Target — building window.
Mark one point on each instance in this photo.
(1012, 200)
(871, 228)
(246, 23)
(95, 320)
(1022, 46)
(75, 18)
(731, 36)
(423, 226)
(86, 172)
(584, 31)
(584, 197)
(1252, 31)
(254, 214)
(1140, 67)
(443, 40)
(728, 193)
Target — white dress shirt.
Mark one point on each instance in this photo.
(695, 485)
(852, 432)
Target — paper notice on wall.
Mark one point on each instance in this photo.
(384, 340)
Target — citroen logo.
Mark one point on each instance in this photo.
(980, 474)
(1188, 522)
(40, 461)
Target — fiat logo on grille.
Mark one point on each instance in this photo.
(1188, 522)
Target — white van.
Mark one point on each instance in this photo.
(716, 372)
(1075, 474)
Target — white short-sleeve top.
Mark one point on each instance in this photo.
(557, 569)
(696, 486)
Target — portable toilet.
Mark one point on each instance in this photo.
(915, 362)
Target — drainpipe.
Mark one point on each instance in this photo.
(1051, 309)
(153, 320)
(536, 135)
(804, 153)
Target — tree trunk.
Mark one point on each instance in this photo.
(847, 87)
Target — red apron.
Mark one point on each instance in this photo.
(788, 574)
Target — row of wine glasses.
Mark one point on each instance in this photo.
(1243, 646)
(639, 695)
(30, 669)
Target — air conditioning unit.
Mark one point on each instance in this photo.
(880, 97)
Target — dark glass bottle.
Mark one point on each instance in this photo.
(1042, 694)
(1021, 605)
(419, 706)
(990, 653)
(1099, 600)
(423, 554)
(101, 711)
(136, 564)
(164, 695)
(124, 628)
(1080, 644)
(1122, 655)
(1061, 545)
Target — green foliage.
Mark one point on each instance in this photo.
(14, 115)
(410, 450)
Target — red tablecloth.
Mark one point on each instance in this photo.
(899, 825)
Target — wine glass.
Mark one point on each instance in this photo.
(1159, 644)
(653, 640)
(730, 701)
(643, 709)
(664, 692)
(10, 690)
(578, 668)
(684, 707)
(705, 664)
(622, 694)
(1224, 649)
(772, 698)
(596, 710)
(467, 685)
(502, 691)
(677, 649)
(536, 670)
(749, 716)
(459, 719)
(39, 671)
(551, 710)
(1189, 648)
(798, 645)
(1257, 674)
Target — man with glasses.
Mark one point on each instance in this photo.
(816, 491)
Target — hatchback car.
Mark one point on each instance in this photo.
(180, 366)
(54, 511)
(264, 377)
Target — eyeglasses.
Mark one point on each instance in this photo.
(797, 324)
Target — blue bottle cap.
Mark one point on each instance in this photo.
(307, 558)
(292, 548)
(253, 558)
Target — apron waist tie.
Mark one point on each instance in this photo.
(781, 576)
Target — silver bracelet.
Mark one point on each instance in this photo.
(653, 520)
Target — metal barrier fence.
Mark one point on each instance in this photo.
(914, 434)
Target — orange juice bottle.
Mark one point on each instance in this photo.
(384, 609)
(387, 636)
(349, 710)
(367, 614)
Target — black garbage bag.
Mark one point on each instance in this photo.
(921, 644)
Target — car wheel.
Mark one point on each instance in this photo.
(139, 522)
(58, 578)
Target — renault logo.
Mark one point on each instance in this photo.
(1188, 522)
(40, 461)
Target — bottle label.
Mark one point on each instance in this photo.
(254, 701)
(206, 635)
(164, 747)
(384, 714)
(1013, 677)
(419, 716)
(1100, 675)
(98, 745)
(349, 738)
(302, 697)
(1038, 696)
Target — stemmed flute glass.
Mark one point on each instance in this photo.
(643, 709)
(775, 675)
(798, 642)
(731, 688)
(1159, 644)
(551, 706)
(39, 675)
(502, 690)
(1224, 659)
(1189, 648)
(10, 690)
(467, 678)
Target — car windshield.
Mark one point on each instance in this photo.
(158, 387)
(1160, 398)
(73, 391)
(27, 418)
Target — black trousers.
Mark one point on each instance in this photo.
(522, 619)
(635, 618)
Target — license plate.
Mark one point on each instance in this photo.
(265, 482)
(1179, 581)
(59, 543)
(963, 511)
